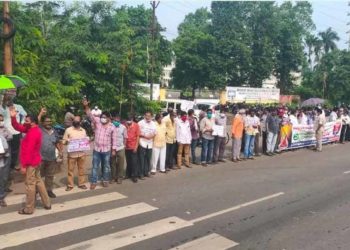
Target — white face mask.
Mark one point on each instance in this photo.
(222, 115)
(104, 120)
(2, 124)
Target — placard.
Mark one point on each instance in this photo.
(78, 145)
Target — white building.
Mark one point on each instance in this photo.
(271, 82)
(166, 75)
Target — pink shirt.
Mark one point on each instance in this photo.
(105, 139)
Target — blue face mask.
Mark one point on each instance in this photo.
(116, 123)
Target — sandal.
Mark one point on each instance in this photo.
(23, 211)
(82, 187)
(69, 188)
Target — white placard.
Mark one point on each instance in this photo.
(78, 145)
(218, 130)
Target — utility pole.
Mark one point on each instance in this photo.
(348, 30)
(7, 61)
(153, 29)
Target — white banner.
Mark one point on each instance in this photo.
(256, 95)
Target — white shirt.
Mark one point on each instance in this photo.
(183, 132)
(147, 129)
(303, 119)
(21, 115)
(293, 120)
(333, 116)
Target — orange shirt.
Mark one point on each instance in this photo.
(237, 127)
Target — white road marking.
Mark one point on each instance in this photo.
(209, 216)
(209, 242)
(57, 228)
(20, 198)
(132, 235)
(347, 172)
(61, 207)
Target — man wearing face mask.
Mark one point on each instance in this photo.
(184, 138)
(147, 133)
(206, 127)
(30, 160)
(105, 142)
(75, 158)
(131, 146)
(219, 141)
(118, 161)
(49, 145)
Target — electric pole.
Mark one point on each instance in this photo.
(153, 30)
(348, 30)
(7, 61)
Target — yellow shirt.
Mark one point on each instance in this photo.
(72, 133)
(159, 140)
(170, 130)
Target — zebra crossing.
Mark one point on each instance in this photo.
(120, 239)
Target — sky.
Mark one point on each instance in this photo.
(171, 13)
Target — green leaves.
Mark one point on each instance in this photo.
(67, 50)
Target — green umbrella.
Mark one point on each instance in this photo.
(11, 82)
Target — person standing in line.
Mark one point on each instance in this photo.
(252, 124)
(74, 159)
(344, 119)
(219, 141)
(30, 160)
(184, 138)
(194, 134)
(50, 142)
(320, 121)
(258, 137)
(159, 146)
(292, 118)
(170, 136)
(148, 132)
(104, 146)
(333, 115)
(272, 127)
(206, 127)
(7, 104)
(118, 160)
(263, 129)
(237, 134)
(131, 146)
(4, 169)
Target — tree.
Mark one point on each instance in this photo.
(294, 23)
(328, 40)
(67, 50)
(193, 48)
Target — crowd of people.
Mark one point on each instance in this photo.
(156, 144)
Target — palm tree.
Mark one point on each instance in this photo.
(309, 42)
(328, 39)
(314, 46)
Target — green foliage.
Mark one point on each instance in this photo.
(67, 50)
(241, 43)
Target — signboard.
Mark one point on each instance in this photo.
(186, 105)
(300, 136)
(252, 95)
(78, 145)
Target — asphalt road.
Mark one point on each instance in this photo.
(295, 200)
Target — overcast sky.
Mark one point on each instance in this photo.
(171, 13)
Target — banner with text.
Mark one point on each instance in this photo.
(300, 136)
